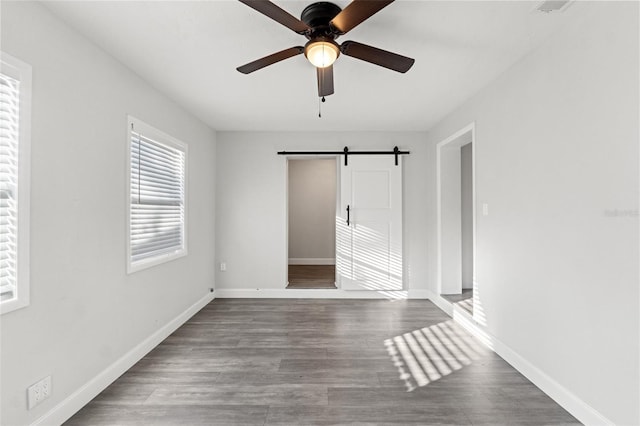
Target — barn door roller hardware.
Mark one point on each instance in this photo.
(396, 152)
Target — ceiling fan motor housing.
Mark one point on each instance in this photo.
(317, 16)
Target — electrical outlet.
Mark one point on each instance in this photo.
(38, 392)
(223, 266)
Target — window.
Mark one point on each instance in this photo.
(15, 123)
(157, 193)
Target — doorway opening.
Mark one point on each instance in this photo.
(456, 218)
(312, 188)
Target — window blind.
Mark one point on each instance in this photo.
(157, 198)
(9, 125)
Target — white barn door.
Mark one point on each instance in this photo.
(369, 227)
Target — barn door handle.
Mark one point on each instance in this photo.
(348, 215)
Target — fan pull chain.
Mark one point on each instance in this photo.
(320, 106)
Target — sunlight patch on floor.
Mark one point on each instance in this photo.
(425, 355)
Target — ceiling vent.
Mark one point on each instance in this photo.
(553, 6)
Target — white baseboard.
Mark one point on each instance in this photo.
(419, 294)
(312, 261)
(283, 293)
(565, 398)
(74, 402)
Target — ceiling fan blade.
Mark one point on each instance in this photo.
(376, 56)
(357, 12)
(277, 14)
(325, 81)
(270, 60)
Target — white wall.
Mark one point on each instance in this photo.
(451, 218)
(85, 311)
(312, 210)
(557, 162)
(251, 219)
(466, 207)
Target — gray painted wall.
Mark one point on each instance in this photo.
(466, 183)
(85, 311)
(252, 207)
(556, 151)
(450, 274)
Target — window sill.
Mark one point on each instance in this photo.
(13, 305)
(158, 260)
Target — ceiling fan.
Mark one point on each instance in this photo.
(322, 23)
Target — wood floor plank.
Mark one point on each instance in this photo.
(391, 397)
(207, 365)
(460, 379)
(312, 276)
(314, 377)
(321, 362)
(198, 378)
(240, 394)
(365, 415)
(304, 342)
(162, 415)
(260, 353)
(358, 365)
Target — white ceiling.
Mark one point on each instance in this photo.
(190, 50)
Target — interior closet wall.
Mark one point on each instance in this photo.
(312, 208)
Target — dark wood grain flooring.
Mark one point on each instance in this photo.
(312, 276)
(463, 300)
(467, 293)
(321, 362)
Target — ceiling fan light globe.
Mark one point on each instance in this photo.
(321, 53)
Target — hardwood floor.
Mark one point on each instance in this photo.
(467, 293)
(463, 300)
(312, 276)
(320, 362)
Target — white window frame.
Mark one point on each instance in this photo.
(134, 127)
(21, 71)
